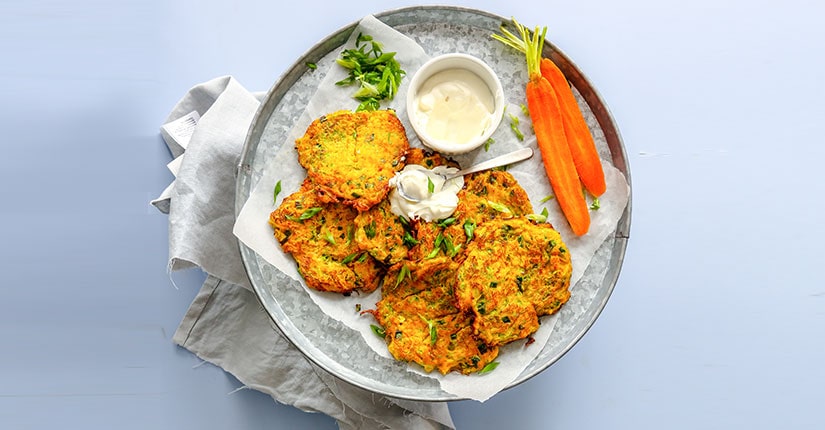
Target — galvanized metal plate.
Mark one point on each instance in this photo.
(340, 350)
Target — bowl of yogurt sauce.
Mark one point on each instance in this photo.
(455, 102)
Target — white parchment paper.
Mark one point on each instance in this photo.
(253, 230)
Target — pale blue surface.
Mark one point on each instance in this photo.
(718, 317)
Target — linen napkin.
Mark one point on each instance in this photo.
(225, 325)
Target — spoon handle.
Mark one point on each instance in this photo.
(501, 160)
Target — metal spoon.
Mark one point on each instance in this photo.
(501, 160)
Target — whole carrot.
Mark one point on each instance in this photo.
(546, 114)
(579, 139)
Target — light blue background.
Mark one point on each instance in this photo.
(719, 314)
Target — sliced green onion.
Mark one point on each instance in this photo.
(276, 192)
(488, 368)
(469, 229)
(309, 213)
(499, 207)
(379, 331)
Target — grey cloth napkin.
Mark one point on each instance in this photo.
(225, 325)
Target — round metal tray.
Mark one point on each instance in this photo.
(340, 350)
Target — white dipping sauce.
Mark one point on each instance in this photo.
(455, 105)
(415, 180)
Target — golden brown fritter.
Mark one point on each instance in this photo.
(383, 234)
(438, 239)
(351, 156)
(514, 272)
(486, 195)
(492, 194)
(320, 237)
(421, 322)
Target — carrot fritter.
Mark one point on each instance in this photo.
(492, 194)
(421, 322)
(351, 156)
(486, 195)
(514, 272)
(320, 237)
(383, 234)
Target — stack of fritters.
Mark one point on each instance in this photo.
(486, 195)
(453, 290)
(454, 315)
(421, 322)
(481, 277)
(349, 158)
(320, 237)
(514, 271)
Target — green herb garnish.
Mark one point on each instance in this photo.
(514, 126)
(350, 233)
(536, 217)
(379, 331)
(449, 248)
(596, 205)
(377, 73)
(488, 368)
(487, 144)
(540, 217)
(430, 185)
(438, 240)
(403, 273)
(307, 214)
(276, 192)
(369, 230)
(349, 258)
(433, 332)
(499, 207)
(446, 222)
(311, 65)
(409, 240)
(469, 228)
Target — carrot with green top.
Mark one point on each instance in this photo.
(579, 139)
(546, 114)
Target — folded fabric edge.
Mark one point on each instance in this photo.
(346, 404)
(163, 201)
(200, 99)
(190, 320)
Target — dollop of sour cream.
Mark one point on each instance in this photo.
(437, 198)
(455, 105)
